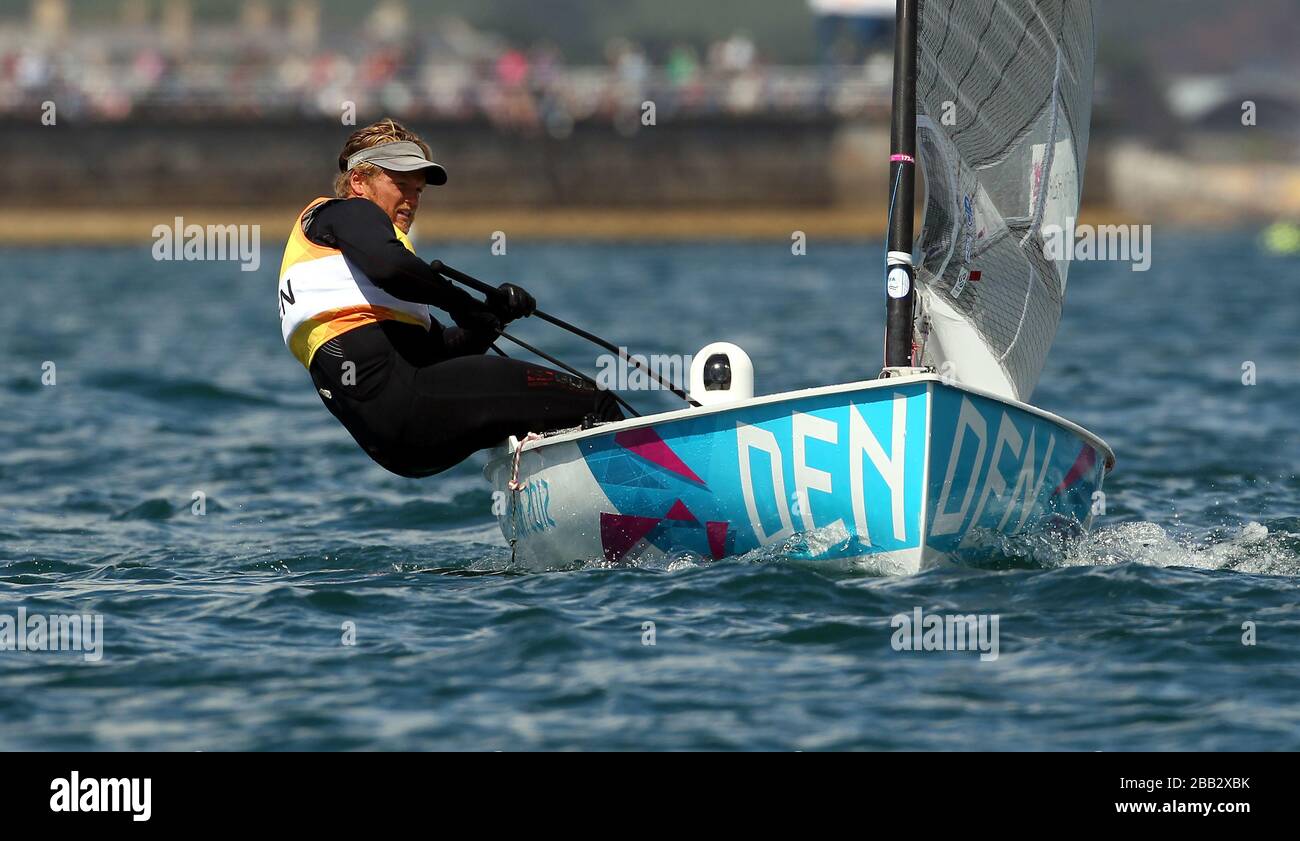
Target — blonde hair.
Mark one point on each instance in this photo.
(386, 130)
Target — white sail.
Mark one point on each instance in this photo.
(1004, 99)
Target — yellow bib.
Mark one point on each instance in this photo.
(322, 295)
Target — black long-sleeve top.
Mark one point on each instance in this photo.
(364, 233)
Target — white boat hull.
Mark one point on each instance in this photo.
(890, 476)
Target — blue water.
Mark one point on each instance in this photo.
(225, 630)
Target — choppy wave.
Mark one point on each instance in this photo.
(1272, 549)
(1171, 625)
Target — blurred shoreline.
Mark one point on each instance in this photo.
(714, 178)
(125, 118)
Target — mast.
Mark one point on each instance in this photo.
(900, 285)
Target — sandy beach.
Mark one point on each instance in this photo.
(108, 226)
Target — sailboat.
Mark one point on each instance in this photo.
(940, 459)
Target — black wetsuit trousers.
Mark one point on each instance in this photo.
(418, 412)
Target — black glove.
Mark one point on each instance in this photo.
(478, 318)
(509, 302)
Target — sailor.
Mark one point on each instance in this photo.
(354, 309)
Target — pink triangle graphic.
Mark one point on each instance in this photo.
(717, 533)
(620, 532)
(646, 443)
(679, 511)
(1087, 458)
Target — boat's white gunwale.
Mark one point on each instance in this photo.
(819, 391)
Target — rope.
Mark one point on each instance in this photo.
(515, 487)
(514, 483)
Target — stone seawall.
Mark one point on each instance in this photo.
(260, 163)
(696, 179)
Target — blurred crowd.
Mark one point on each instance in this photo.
(453, 73)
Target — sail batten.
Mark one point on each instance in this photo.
(1003, 107)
